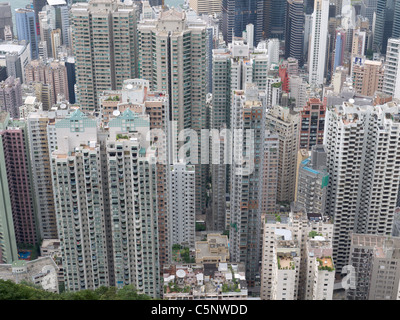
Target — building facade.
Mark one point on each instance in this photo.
(360, 142)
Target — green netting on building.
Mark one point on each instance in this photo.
(325, 181)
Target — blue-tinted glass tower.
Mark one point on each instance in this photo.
(26, 29)
(236, 14)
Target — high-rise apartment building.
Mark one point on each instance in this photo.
(182, 204)
(40, 150)
(360, 42)
(15, 149)
(172, 57)
(391, 79)
(312, 123)
(11, 96)
(147, 110)
(320, 269)
(361, 144)
(104, 43)
(78, 198)
(53, 73)
(286, 123)
(233, 67)
(318, 43)
(132, 185)
(298, 91)
(248, 120)
(313, 181)
(270, 172)
(375, 259)
(368, 77)
(8, 244)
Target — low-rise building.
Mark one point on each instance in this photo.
(214, 281)
(42, 271)
(214, 250)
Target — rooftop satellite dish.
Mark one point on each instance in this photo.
(63, 106)
(351, 101)
(116, 113)
(180, 273)
(129, 86)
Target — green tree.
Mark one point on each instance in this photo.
(9, 290)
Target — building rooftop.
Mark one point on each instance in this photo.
(42, 271)
(215, 248)
(286, 263)
(205, 280)
(325, 262)
(56, 2)
(9, 47)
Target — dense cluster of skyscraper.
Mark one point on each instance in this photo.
(220, 149)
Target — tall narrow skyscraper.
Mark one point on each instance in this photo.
(8, 244)
(172, 57)
(14, 141)
(294, 38)
(391, 78)
(248, 121)
(26, 29)
(286, 124)
(233, 67)
(78, 197)
(318, 45)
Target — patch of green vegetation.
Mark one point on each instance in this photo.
(120, 136)
(115, 98)
(9, 290)
(313, 234)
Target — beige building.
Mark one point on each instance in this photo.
(320, 269)
(286, 238)
(368, 78)
(286, 123)
(270, 173)
(52, 73)
(206, 6)
(376, 263)
(214, 250)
